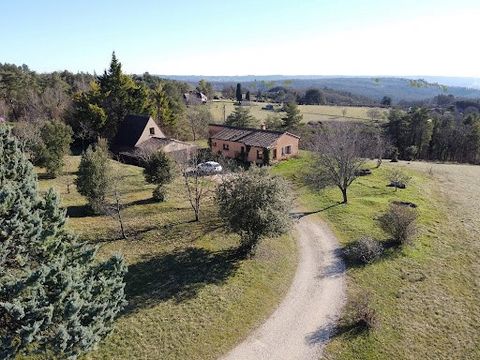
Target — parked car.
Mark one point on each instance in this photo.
(209, 167)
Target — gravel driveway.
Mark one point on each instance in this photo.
(303, 322)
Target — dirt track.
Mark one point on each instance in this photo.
(303, 322)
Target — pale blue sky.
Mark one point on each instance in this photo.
(352, 37)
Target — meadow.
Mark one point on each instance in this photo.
(426, 294)
(190, 296)
(310, 112)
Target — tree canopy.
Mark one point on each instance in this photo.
(55, 296)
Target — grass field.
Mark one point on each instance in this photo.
(190, 296)
(427, 294)
(310, 112)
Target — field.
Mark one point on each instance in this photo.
(190, 296)
(310, 112)
(427, 294)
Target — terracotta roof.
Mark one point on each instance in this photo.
(249, 136)
(130, 130)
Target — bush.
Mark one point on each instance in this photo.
(159, 193)
(365, 250)
(158, 170)
(398, 179)
(400, 222)
(358, 313)
(254, 205)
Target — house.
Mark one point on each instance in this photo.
(140, 134)
(260, 146)
(195, 98)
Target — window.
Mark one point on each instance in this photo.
(152, 131)
(288, 149)
(215, 144)
(274, 154)
(259, 154)
(283, 151)
(226, 147)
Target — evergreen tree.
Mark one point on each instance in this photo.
(293, 116)
(158, 170)
(163, 109)
(55, 297)
(238, 93)
(247, 96)
(56, 139)
(241, 117)
(94, 173)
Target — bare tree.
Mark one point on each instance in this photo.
(199, 117)
(196, 186)
(340, 150)
(379, 147)
(113, 205)
(374, 114)
(344, 112)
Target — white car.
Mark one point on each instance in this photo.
(209, 167)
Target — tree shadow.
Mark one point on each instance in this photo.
(79, 211)
(300, 214)
(178, 275)
(148, 201)
(332, 330)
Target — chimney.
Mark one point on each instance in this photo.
(263, 127)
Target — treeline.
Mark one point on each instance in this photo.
(269, 91)
(435, 135)
(93, 106)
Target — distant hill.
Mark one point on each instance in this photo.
(375, 88)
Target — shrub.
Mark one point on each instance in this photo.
(254, 205)
(158, 170)
(398, 179)
(358, 313)
(400, 222)
(365, 250)
(159, 193)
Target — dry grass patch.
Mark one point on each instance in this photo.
(425, 295)
(190, 296)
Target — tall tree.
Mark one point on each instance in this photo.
(293, 117)
(55, 296)
(238, 93)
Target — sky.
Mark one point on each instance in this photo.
(245, 37)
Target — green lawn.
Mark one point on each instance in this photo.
(310, 112)
(190, 296)
(426, 295)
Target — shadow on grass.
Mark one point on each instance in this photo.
(79, 211)
(301, 214)
(333, 330)
(178, 275)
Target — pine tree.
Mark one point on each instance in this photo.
(293, 116)
(55, 297)
(241, 117)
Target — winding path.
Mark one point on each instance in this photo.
(305, 319)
